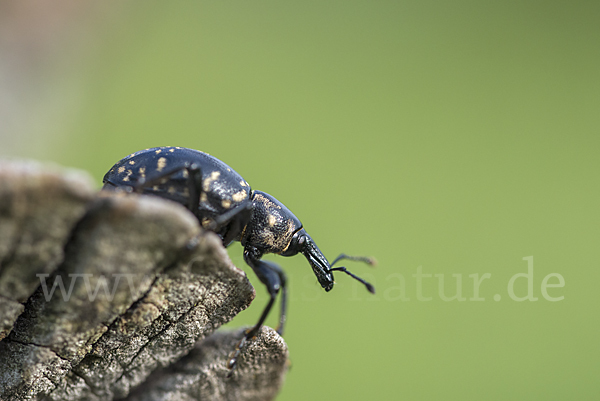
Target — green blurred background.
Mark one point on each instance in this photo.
(459, 137)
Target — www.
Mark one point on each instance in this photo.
(101, 282)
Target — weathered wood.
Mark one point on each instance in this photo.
(141, 284)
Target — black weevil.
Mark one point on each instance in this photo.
(224, 203)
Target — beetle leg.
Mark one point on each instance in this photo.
(194, 182)
(273, 277)
(282, 280)
(148, 182)
(237, 217)
(195, 188)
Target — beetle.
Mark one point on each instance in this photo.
(223, 202)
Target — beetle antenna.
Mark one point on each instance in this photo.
(368, 285)
(364, 259)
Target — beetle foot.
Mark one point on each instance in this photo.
(233, 356)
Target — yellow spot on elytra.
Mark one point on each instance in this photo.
(226, 203)
(157, 151)
(171, 150)
(185, 174)
(132, 162)
(243, 183)
(272, 220)
(203, 197)
(213, 176)
(126, 178)
(142, 171)
(162, 162)
(239, 196)
(121, 169)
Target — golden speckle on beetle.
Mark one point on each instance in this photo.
(185, 173)
(205, 222)
(171, 190)
(243, 183)
(290, 233)
(162, 163)
(132, 162)
(121, 169)
(203, 197)
(126, 178)
(157, 151)
(278, 242)
(213, 176)
(142, 172)
(266, 201)
(171, 150)
(272, 220)
(226, 203)
(239, 196)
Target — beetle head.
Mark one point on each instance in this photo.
(275, 229)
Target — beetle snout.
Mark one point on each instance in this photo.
(326, 281)
(315, 257)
